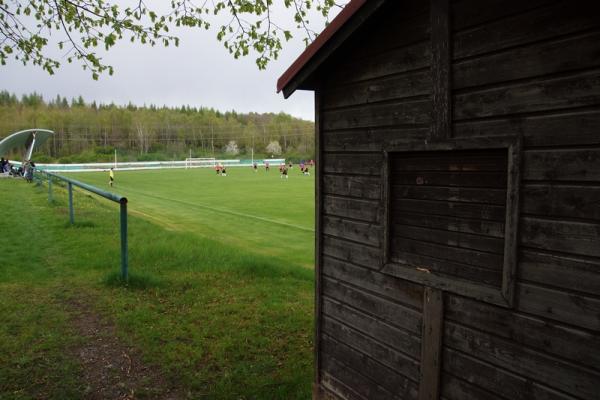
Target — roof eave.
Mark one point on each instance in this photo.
(332, 37)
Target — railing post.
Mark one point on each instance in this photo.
(124, 272)
(49, 189)
(123, 213)
(71, 215)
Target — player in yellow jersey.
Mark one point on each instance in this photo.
(111, 177)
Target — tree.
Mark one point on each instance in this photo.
(274, 148)
(232, 148)
(27, 25)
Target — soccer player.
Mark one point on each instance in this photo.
(267, 166)
(284, 172)
(255, 167)
(111, 177)
(223, 171)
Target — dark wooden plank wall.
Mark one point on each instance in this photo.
(419, 228)
(529, 68)
(533, 69)
(370, 323)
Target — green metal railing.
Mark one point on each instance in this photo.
(107, 195)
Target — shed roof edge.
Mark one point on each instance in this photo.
(308, 54)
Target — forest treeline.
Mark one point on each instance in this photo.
(88, 132)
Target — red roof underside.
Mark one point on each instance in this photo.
(348, 11)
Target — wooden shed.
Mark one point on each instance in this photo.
(458, 199)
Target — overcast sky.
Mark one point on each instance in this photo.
(200, 72)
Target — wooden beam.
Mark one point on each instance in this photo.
(318, 245)
(441, 125)
(431, 344)
(385, 202)
(511, 230)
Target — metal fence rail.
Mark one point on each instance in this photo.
(107, 195)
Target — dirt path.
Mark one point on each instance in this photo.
(112, 370)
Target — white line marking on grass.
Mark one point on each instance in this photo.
(225, 211)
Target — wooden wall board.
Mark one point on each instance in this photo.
(543, 23)
(394, 87)
(452, 194)
(479, 210)
(361, 232)
(403, 292)
(497, 382)
(355, 164)
(572, 165)
(416, 110)
(546, 94)
(562, 200)
(389, 379)
(481, 227)
(363, 210)
(372, 139)
(382, 352)
(578, 310)
(456, 388)
(554, 339)
(333, 388)
(564, 54)
(505, 354)
(565, 127)
(413, 56)
(364, 387)
(353, 253)
(392, 312)
(361, 187)
(459, 240)
(564, 272)
(578, 238)
(466, 14)
(397, 339)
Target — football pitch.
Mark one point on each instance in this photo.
(256, 211)
(219, 303)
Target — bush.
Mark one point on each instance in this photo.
(152, 157)
(42, 158)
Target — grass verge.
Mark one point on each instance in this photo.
(219, 321)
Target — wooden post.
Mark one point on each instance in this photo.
(441, 126)
(511, 228)
(431, 344)
(318, 245)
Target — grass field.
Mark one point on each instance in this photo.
(219, 306)
(258, 212)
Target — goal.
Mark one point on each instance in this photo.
(199, 162)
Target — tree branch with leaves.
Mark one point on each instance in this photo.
(85, 26)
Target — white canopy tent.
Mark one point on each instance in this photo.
(30, 139)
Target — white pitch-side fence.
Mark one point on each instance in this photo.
(142, 165)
